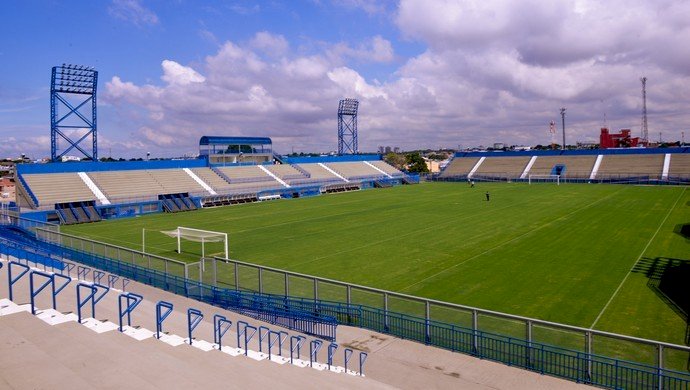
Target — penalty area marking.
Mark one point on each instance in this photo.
(638, 260)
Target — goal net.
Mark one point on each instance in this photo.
(545, 179)
(197, 235)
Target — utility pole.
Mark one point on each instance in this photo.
(645, 128)
(563, 123)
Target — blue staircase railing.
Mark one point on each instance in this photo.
(272, 341)
(82, 302)
(12, 280)
(34, 291)
(296, 345)
(331, 352)
(194, 318)
(161, 315)
(314, 348)
(220, 326)
(131, 301)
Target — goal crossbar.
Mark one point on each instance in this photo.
(543, 178)
(197, 235)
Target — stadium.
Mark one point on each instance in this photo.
(574, 268)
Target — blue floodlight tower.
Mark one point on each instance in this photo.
(347, 126)
(76, 82)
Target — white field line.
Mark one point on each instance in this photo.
(638, 259)
(509, 241)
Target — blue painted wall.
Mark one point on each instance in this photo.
(91, 166)
(577, 152)
(329, 159)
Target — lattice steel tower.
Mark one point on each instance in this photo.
(645, 129)
(73, 87)
(347, 126)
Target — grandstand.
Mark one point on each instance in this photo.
(574, 167)
(679, 167)
(501, 167)
(631, 167)
(605, 165)
(355, 170)
(58, 188)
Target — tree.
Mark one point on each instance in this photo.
(415, 163)
(396, 160)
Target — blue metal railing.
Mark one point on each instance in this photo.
(263, 332)
(362, 358)
(161, 316)
(220, 326)
(272, 341)
(314, 348)
(12, 280)
(131, 301)
(569, 364)
(81, 302)
(331, 351)
(296, 345)
(347, 356)
(194, 318)
(34, 291)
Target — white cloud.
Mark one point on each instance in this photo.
(491, 72)
(133, 12)
(174, 73)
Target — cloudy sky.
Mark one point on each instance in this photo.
(431, 74)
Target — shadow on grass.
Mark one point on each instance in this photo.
(683, 230)
(668, 278)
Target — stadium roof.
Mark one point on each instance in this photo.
(219, 140)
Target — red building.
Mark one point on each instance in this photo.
(617, 140)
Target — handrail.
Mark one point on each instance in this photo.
(97, 276)
(69, 266)
(97, 299)
(283, 336)
(247, 338)
(112, 279)
(314, 348)
(194, 318)
(80, 302)
(298, 346)
(10, 280)
(362, 358)
(160, 316)
(221, 326)
(34, 292)
(132, 301)
(57, 291)
(243, 325)
(82, 272)
(271, 343)
(262, 335)
(331, 351)
(347, 356)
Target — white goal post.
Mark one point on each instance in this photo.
(545, 178)
(190, 234)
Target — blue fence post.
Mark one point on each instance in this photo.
(362, 358)
(331, 350)
(194, 318)
(34, 292)
(263, 331)
(347, 355)
(80, 302)
(161, 316)
(314, 347)
(12, 280)
(131, 302)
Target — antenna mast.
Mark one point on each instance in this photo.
(645, 129)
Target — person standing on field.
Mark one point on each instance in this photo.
(487, 196)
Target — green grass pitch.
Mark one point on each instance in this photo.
(585, 255)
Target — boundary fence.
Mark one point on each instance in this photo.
(575, 353)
